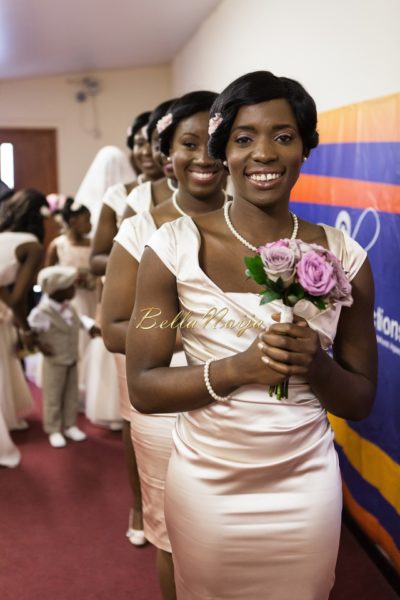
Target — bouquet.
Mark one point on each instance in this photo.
(292, 270)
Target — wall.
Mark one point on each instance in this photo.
(50, 102)
(342, 52)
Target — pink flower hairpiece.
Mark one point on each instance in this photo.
(164, 122)
(214, 123)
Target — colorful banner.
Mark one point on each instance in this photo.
(352, 181)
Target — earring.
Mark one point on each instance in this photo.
(304, 158)
(225, 163)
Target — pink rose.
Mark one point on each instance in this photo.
(342, 288)
(315, 274)
(279, 261)
(275, 244)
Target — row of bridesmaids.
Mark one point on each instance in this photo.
(241, 488)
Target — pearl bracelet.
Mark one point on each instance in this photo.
(208, 384)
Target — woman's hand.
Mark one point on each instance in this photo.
(285, 349)
(290, 348)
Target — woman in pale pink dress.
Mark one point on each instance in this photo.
(201, 191)
(21, 251)
(253, 492)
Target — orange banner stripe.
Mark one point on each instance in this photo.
(376, 120)
(372, 527)
(334, 191)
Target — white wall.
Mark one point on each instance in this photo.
(342, 51)
(50, 102)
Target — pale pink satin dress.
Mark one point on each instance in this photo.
(253, 494)
(151, 434)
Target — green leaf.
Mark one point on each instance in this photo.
(255, 269)
(297, 290)
(319, 303)
(269, 296)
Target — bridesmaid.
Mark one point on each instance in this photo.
(251, 478)
(153, 192)
(114, 201)
(21, 252)
(201, 180)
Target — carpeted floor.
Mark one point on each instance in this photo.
(63, 515)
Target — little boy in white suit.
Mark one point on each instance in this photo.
(56, 325)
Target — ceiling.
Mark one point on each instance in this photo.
(52, 37)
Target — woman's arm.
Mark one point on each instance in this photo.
(128, 212)
(29, 256)
(51, 255)
(118, 298)
(153, 385)
(103, 240)
(346, 384)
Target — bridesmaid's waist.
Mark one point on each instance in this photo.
(235, 433)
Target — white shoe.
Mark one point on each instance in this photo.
(116, 426)
(75, 434)
(57, 440)
(136, 536)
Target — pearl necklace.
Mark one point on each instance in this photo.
(245, 242)
(182, 212)
(171, 185)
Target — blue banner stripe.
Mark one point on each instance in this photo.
(367, 161)
(369, 498)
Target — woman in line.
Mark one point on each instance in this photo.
(200, 189)
(251, 478)
(154, 192)
(21, 251)
(114, 204)
(114, 200)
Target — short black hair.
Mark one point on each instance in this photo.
(139, 122)
(256, 87)
(23, 212)
(68, 211)
(182, 108)
(156, 115)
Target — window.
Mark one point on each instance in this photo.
(7, 164)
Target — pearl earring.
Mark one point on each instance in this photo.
(225, 163)
(304, 158)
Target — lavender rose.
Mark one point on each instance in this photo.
(315, 274)
(278, 261)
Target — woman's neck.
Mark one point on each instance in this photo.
(261, 224)
(193, 206)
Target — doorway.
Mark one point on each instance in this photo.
(34, 158)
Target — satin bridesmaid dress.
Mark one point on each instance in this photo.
(253, 493)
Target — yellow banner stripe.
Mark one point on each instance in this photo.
(373, 464)
(372, 527)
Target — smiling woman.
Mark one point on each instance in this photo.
(252, 477)
(200, 180)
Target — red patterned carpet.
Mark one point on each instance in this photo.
(63, 515)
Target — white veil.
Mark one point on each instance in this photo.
(109, 166)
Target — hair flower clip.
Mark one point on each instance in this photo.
(45, 211)
(214, 123)
(164, 122)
